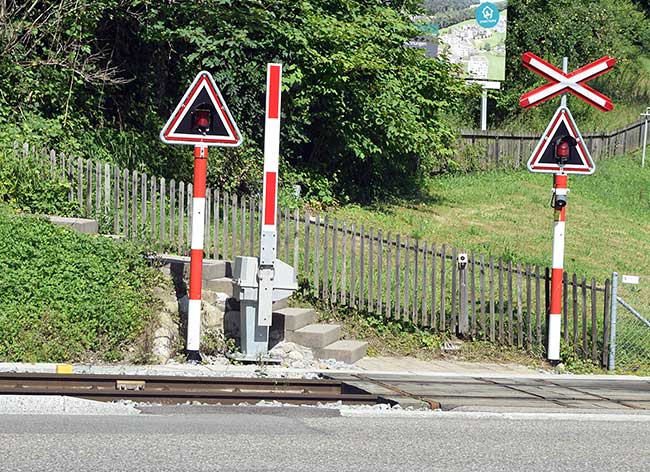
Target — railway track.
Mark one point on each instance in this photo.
(177, 389)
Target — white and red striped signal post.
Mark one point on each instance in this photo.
(200, 119)
(268, 237)
(562, 151)
(261, 281)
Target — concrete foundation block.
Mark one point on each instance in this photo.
(81, 225)
(344, 351)
(221, 285)
(212, 269)
(315, 335)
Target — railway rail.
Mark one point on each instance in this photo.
(180, 389)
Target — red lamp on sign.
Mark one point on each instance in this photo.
(563, 149)
(201, 120)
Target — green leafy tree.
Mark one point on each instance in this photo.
(360, 109)
(582, 30)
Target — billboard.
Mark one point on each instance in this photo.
(470, 33)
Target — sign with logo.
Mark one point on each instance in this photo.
(487, 15)
(469, 34)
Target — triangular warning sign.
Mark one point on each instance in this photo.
(544, 159)
(202, 117)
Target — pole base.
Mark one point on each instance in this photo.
(253, 358)
(193, 357)
(554, 362)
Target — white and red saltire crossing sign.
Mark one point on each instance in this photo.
(219, 128)
(543, 159)
(560, 82)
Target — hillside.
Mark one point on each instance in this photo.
(507, 214)
(69, 297)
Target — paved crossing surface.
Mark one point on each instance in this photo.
(451, 392)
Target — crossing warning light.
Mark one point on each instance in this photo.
(563, 147)
(202, 118)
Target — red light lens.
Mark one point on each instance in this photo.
(202, 119)
(563, 149)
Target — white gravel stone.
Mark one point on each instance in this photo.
(60, 405)
(296, 356)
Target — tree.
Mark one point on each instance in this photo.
(360, 108)
(582, 30)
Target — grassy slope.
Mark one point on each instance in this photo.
(507, 214)
(589, 119)
(65, 296)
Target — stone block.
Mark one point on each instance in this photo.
(296, 318)
(82, 225)
(344, 351)
(315, 335)
(221, 285)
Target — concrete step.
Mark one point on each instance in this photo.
(315, 335)
(223, 285)
(82, 225)
(344, 351)
(212, 269)
(281, 304)
(295, 318)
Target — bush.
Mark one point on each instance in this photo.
(29, 185)
(359, 108)
(66, 296)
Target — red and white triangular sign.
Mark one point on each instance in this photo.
(202, 117)
(544, 160)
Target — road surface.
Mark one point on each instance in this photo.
(313, 440)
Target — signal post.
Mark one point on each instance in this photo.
(201, 119)
(562, 151)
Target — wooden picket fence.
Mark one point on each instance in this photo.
(502, 149)
(345, 264)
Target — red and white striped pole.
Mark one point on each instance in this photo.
(196, 255)
(557, 272)
(268, 240)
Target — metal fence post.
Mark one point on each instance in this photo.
(611, 364)
(463, 315)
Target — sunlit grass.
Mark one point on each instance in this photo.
(507, 215)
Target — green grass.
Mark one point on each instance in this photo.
(390, 337)
(66, 296)
(506, 214)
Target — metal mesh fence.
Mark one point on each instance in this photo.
(632, 342)
(632, 337)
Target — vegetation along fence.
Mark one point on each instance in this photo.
(501, 149)
(345, 264)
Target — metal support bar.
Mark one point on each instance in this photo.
(633, 311)
(484, 103)
(645, 135)
(611, 364)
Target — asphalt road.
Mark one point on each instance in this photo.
(294, 439)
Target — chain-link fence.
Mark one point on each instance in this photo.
(630, 324)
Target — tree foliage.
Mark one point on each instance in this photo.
(583, 31)
(360, 109)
